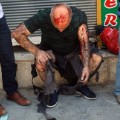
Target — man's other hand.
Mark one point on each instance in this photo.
(85, 75)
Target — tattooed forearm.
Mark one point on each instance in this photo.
(20, 34)
(83, 37)
(85, 54)
(25, 43)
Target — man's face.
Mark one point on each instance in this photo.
(61, 18)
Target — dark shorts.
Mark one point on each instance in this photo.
(70, 66)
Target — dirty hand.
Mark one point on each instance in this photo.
(41, 58)
(85, 75)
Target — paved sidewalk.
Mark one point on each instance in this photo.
(68, 107)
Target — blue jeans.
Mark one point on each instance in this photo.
(7, 59)
(117, 82)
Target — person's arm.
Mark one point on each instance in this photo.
(21, 36)
(84, 43)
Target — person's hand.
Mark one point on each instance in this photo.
(85, 75)
(41, 59)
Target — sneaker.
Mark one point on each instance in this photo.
(51, 99)
(118, 98)
(85, 92)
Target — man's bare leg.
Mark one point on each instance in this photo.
(47, 76)
(95, 61)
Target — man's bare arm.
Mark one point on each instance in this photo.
(84, 43)
(21, 36)
(83, 38)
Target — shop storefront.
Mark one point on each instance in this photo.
(107, 13)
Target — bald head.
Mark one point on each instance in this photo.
(61, 16)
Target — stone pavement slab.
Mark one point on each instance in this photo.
(69, 107)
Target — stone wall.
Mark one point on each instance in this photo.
(24, 60)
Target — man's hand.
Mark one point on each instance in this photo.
(41, 59)
(85, 75)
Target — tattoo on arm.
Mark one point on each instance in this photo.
(84, 43)
(21, 36)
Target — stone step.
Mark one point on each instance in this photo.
(24, 60)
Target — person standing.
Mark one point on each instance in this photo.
(8, 66)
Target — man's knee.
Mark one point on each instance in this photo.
(95, 60)
(96, 56)
(39, 68)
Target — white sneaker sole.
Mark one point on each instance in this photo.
(51, 106)
(85, 96)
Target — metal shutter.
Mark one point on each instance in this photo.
(17, 11)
